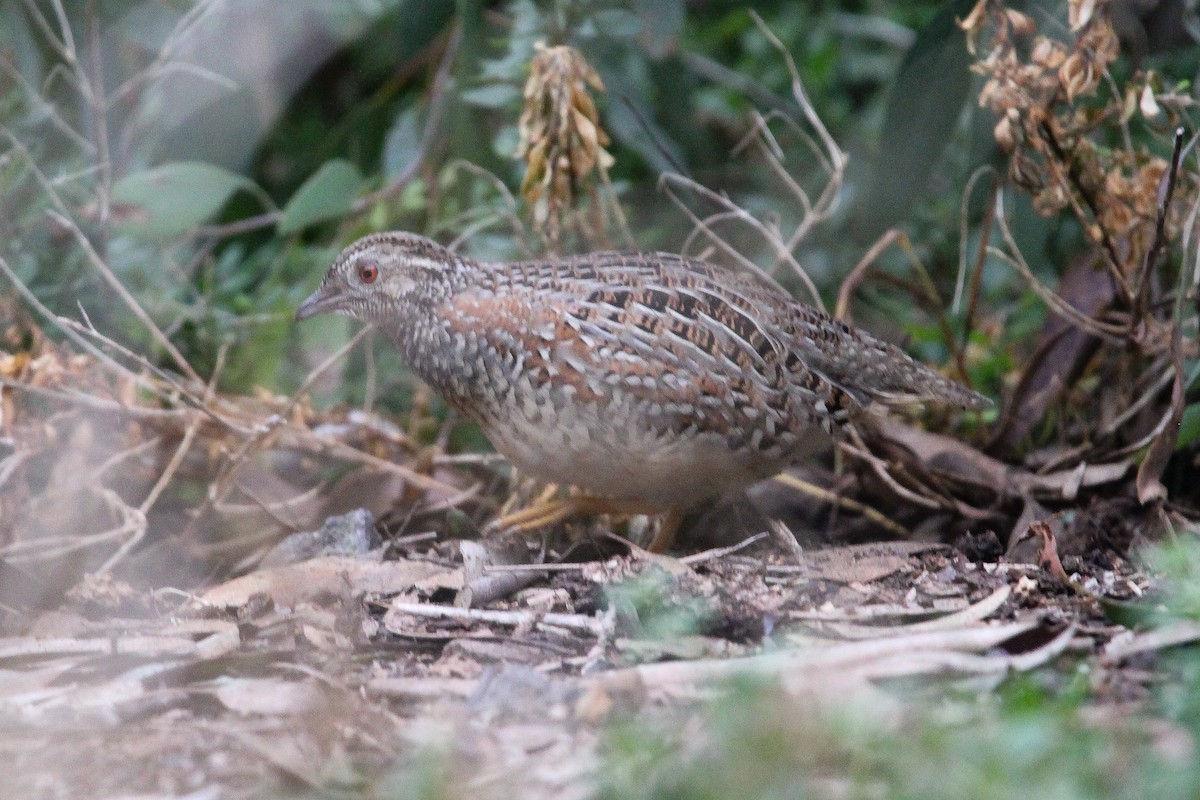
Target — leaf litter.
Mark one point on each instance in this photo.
(157, 640)
(200, 669)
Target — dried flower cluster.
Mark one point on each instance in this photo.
(1049, 100)
(1067, 126)
(561, 142)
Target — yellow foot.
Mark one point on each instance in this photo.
(664, 537)
(546, 512)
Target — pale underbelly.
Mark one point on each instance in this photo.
(614, 453)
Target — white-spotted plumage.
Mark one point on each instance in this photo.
(649, 378)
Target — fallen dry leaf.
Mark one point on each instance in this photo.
(319, 577)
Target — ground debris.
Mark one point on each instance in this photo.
(264, 684)
(151, 618)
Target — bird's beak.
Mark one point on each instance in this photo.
(321, 301)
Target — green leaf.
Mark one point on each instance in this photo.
(496, 95)
(402, 144)
(167, 200)
(662, 25)
(1189, 427)
(923, 111)
(327, 194)
(618, 23)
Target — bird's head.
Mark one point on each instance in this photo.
(382, 275)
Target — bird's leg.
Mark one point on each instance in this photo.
(664, 537)
(538, 515)
(514, 500)
(546, 512)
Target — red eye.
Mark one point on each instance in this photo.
(367, 273)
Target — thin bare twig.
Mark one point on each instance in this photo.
(1166, 192)
(741, 215)
(99, 108)
(760, 134)
(395, 186)
(437, 91)
(836, 156)
(832, 160)
(128, 299)
(50, 110)
(847, 503)
(574, 622)
(70, 328)
(163, 65)
(319, 369)
(842, 308)
(64, 46)
(879, 466)
(267, 219)
(168, 473)
(171, 391)
(1072, 185)
(1113, 334)
(721, 552)
(984, 232)
(511, 207)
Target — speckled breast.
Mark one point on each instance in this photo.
(621, 448)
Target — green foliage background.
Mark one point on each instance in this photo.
(240, 138)
(217, 155)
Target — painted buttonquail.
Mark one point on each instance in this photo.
(651, 383)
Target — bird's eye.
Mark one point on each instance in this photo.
(367, 273)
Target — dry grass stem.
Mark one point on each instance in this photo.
(847, 503)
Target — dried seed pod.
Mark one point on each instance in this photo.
(561, 140)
